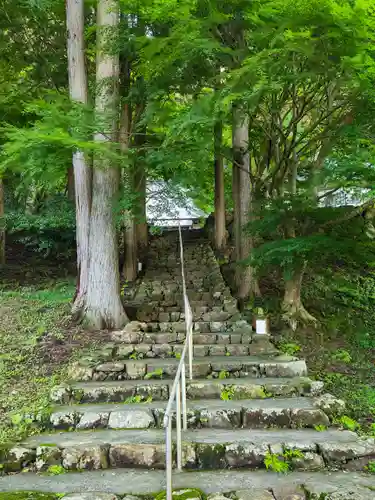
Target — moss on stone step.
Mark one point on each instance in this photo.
(29, 495)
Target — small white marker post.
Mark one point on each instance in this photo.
(139, 267)
(261, 326)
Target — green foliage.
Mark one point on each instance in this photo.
(289, 454)
(56, 470)
(138, 399)
(51, 232)
(223, 374)
(282, 463)
(320, 428)
(342, 355)
(370, 467)
(289, 348)
(136, 355)
(276, 464)
(227, 393)
(158, 373)
(348, 423)
(31, 320)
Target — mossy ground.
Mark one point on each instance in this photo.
(340, 350)
(37, 341)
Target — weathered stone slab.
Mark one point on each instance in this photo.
(137, 455)
(93, 420)
(131, 419)
(245, 455)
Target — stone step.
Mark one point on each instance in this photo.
(117, 352)
(199, 338)
(235, 326)
(202, 449)
(159, 390)
(207, 338)
(215, 367)
(251, 414)
(248, 484)
(175, 314)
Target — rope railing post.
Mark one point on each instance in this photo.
(168, 452)
(178, 390)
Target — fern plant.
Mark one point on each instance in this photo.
(276, 463)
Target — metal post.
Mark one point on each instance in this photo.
(183, 394)
(168, 464)
(178, 427)
(190, 334)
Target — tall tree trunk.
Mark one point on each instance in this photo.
(82, 172)
(140, 182)
(129, 269)
(2, 225)
(103, 307)
(292, 306)
(246, 282)
(70, 184)
(220, 229)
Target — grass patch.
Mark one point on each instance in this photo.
(341, 350)
(36, 343)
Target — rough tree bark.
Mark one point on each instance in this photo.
(220, 229)
(140, 178)
(246, 282)
(82, 172)
(129, 269)
(292, 306)
(70, 184)
(2, 225)
(103, 306)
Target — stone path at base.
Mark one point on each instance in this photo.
(135, 482)
(246, 403)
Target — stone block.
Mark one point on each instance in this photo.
(110, 367)
(93, 420)
(220, 419)
(330, 405)
(135, 370)
(342, 452)
(308, 418)
(238, 350)
(137, 455)
(17, 458)
(210, 456)
(217, 326)
(124, 351)
(189, 457)
(217, 350)
(287, 369)
(162, 350)
(64, 420)
(196, 390)
(47, 456)
(200, 351)
(250, 455)
(266, 417)
(61, 394)
(85, 458)
(131, 419)
(254, 494)
(310, 462)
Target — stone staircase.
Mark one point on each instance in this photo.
(249, 406)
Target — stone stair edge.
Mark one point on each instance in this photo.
(234, 388)
(91, 369)
(201, 450)
(138, 484)
(220, 414)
